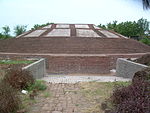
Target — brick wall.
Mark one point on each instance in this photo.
(80, 46)
(72, 46)
(77, 64)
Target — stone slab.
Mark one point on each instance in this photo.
(36, 33)
(109, 34)
(59, 32)
(81, 26)
(86, 33)
(62, 26)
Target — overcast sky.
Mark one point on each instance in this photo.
(30, 12)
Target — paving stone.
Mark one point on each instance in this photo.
(77, 79)
(109, 34)
(81, 26)
(64, 99)
(59, 32)
(86, 33)
(36, 33)
(62, 26)
(56, 112)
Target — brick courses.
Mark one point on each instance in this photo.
(93, 55)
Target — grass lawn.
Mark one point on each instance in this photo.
(16, 62)
(98, 92)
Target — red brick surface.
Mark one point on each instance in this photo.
(72, 45)
(74, 64)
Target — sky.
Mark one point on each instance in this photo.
(30, 12)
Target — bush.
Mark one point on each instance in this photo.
(134, 98)
(145, 41)
(143, 75)
(9, 99)
(38, 85)
(145, 59)
(18, 78)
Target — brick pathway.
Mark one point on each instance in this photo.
(66, 95)
(66, 98)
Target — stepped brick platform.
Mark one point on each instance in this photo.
(73, 48)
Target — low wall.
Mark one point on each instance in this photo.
(76, 64)
(37, 69)
(127, 69)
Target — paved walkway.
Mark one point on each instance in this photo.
(65, 98)
(76, 79)
(66, 94)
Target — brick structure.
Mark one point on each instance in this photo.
(70, 48)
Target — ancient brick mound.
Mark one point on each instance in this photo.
(73, 48)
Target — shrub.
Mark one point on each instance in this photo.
(37, 85)
(145, 59)
(145, 41)
(9, 99)
(18, 78)
(143, 75)
(134, 98)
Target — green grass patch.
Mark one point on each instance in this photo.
(47, 94)
(38, 85)
(100, 89)
(16, 61)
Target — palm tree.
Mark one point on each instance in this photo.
(19, 29)
(146, 4)
(6, 30)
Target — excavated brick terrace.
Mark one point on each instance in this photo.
(74, 48)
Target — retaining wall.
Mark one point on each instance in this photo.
(37, 69)
(127, 69)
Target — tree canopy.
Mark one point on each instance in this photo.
(36, 26)
(129, 28)
(19, 29)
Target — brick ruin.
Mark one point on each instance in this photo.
(74, 48)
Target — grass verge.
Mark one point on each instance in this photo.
(16, 62)
(99, 92)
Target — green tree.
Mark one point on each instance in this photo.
(6, 31)
(143, 26)
(2, 36)
(128, 28)
(102, 26)
(145, 41)
(36, 26)
(19, 29)
(112, 26)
